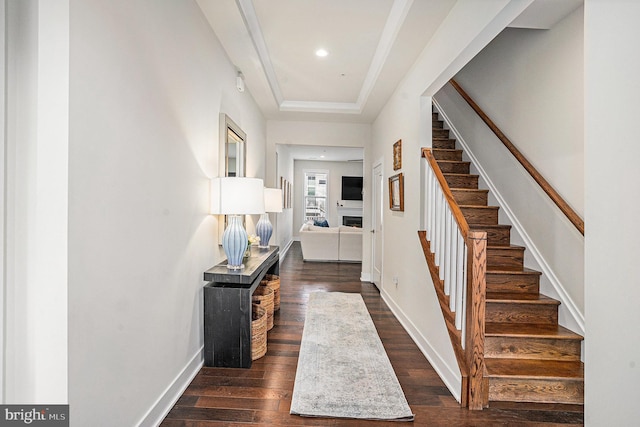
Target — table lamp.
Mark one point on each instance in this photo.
(272, 203)
(236, 196)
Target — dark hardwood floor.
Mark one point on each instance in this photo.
(262, 395)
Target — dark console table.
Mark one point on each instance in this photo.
(227, 308)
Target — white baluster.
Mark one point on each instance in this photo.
(429, 202)
(445, 252)
(453, 265)
(463, 325)
(436, 237)
(436, 225)
(434, 214)
(459, 279)
(443, 215)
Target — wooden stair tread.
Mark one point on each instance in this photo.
(525, 271)
(506, 247)
(495, 329)
(479, 207)
(534, 369)
(479, 226)
(453, 161)
(450, 150)
(447, 153)
(518, 297)
(476, 190)
(460, 174)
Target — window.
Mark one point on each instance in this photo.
(315, 195)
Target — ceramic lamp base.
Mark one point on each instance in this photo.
(234, 242)
(264, 229)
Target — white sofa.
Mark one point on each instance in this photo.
(331, 243)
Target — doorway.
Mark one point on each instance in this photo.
(376, 226)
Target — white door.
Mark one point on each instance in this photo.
(376, 227)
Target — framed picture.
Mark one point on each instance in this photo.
(396, 192)
(397, 155)
(286, 194)
(286, 191)
(282, 188)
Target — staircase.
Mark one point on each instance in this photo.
(529, 357)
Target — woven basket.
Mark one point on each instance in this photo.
(273, 281)
(263, 296)
(258, 331)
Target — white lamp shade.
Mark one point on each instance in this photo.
(237, 196)
(272, 200)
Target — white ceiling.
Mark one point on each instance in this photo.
(371, 44)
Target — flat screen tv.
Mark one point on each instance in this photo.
(351, 188)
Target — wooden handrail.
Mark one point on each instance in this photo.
(543, 183)
(455, 210)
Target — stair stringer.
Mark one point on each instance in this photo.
(574, 319)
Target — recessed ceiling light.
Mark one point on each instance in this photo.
(321, 53)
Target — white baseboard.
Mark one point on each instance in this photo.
(365, 277)
(172, 393)
(285, 250)
(452, 379)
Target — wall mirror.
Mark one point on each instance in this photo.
(233, 156)
(233, 143)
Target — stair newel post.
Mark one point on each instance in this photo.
(475, 319)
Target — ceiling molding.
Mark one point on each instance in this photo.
(250, 18)
(395, 20)
(321, 107)
(397, 15)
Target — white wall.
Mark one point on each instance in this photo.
(327, 134)
(148, 81)
(36, 196)
(612, 66)
(336, 171)
(530, 82)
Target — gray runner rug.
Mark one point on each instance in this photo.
(343, 370)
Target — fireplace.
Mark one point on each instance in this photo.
(352, 221)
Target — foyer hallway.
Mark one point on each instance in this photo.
(262, 395)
